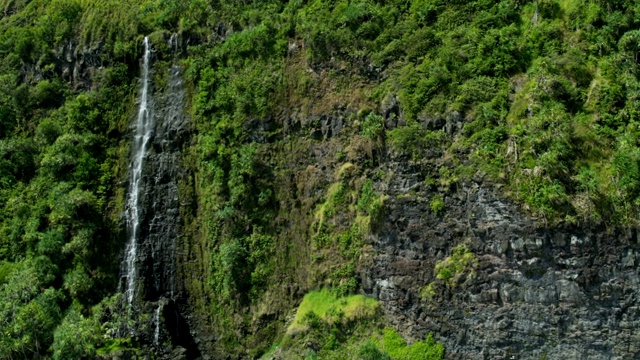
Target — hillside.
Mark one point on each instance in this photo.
(456, 179)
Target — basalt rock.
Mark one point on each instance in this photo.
(158, 292)
(451, 123)
(392, 112)
(77, 64)
(558, 292)
(163, 171)
(71, 62)
(317, 127)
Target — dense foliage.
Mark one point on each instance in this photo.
(541, 96)
(61, 154)
(348, 327)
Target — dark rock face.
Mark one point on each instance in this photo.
(160, 293)
(451, 123)
(177, 330)
(560, 292)
(258, 130)
(391, 112)
(318, 127)
(163, 170)
(77, 64)
(325, 126)
(73, 63)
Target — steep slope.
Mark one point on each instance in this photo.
(472, 165)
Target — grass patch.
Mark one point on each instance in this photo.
(414, 141)
(452, 270)
(326, 304)
(462, 260)
(348, 328)
(437, 205)
(457, 268)
(347, 170)
(338, 197)
(397, 348)
(370, 351)
(271, 351)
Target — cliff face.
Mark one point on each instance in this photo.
(472, 165)
(532, 290)
(566, 291)
(164, 171)
(162, 298)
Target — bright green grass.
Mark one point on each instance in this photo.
(397, 347)
(324, 303)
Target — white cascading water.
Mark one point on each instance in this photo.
(156, 334)
(143, 131)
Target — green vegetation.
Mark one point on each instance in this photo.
(60, 160)
(372, 126)
(540, 97)
(369, 351)
(461, 261)
(324, 304)
(75, 337)
(437, 205)
(460, 265)
(370, 207)
(397, 348)
(341, 223)
(349, 327)
(336, 324)
(415, 141)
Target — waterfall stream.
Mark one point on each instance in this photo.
(144, 127)
(156, 320)
(149, 271)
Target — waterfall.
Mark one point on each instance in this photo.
(173, 43)
(143, 131)
(149, 270)
(156, 334)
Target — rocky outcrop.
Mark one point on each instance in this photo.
(163, 169)
(158, 260)
(317, 127)
(73, 63)
(561, 292)
(77, 64)
(391, 112)
(158, 298)
(569, 291)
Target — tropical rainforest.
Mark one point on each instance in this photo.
(300, 116)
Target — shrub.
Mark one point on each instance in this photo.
(460, 261)
(437, 205)
(372, 126)
(371, 205)
(76, 337)
(367, 197)
(427, 349)
(414, 141)
(231, 268)
(369, 351)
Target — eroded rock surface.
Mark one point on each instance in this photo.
(557, 292)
